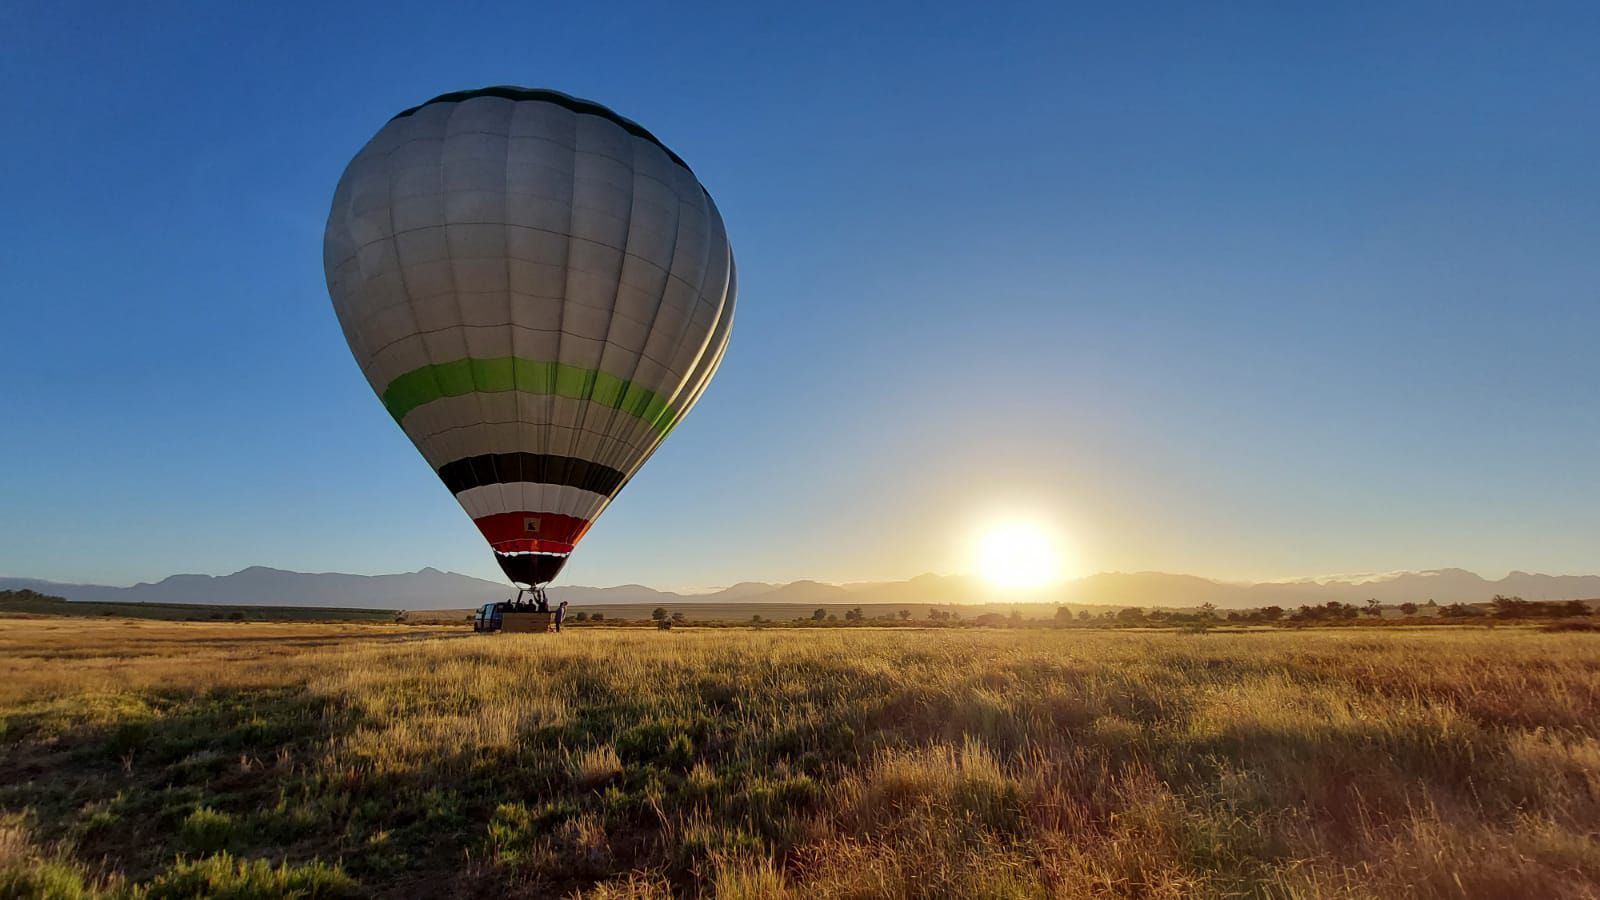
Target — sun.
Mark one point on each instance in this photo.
(1018, 555)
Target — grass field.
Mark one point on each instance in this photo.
(182, 759)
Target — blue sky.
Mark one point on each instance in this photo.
(1236, 290)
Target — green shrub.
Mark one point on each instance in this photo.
(703, 842)
(515, 829)
(657, 744)
(207, 830)
(44, 880)
(221, 877)
(510, 831)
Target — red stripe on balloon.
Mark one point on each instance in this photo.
(532, 532)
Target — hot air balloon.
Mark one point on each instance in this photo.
(538, 290)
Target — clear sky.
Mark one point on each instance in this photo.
(1228, 289)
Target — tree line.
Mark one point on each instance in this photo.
(1503, 609)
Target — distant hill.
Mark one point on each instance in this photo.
(433, 589)
(743, 590)
(627, 593)
(1439, 585)
(807, 592)
(262, 586)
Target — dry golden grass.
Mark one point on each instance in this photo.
(845, 763)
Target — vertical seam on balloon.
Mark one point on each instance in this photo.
(549, 373)
(711, 371)
(730, 303)
(625, 445)
(654, 435)
(646, 436)
(566, 288)
(427, 352)
(721, 343)
(354, 327)
(721, 331)
(620, 446)
(669, 416)
(511, 311)
(616, 293)
(400, 270)
(455, 286)
(686, 377)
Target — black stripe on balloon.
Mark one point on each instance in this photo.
(530, 568)
(567, 101)
(536, 468)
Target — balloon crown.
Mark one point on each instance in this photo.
(576, 104)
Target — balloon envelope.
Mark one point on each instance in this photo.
(538, 290)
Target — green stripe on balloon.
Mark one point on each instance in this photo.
(527, 376)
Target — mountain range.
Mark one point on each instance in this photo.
(430, 588)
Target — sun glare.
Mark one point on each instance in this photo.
(1018, 555)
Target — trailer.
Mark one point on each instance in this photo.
(493, 617)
